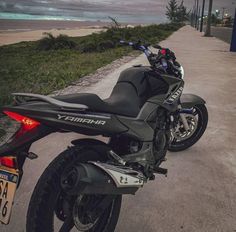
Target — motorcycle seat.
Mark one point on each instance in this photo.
(123, 100)
(128, 95)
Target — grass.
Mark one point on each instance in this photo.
(25, 68)
(43, 72)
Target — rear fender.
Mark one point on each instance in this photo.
(191, 100)
(19, 146)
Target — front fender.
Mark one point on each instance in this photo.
(190, 100)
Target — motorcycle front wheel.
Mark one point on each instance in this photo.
(52, 209)
(197, 122)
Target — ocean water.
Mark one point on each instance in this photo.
(87, 16)
(5, 15)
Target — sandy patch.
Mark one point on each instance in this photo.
(7, 37)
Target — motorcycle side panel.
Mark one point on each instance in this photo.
(88, 123)
(169, 100)
(139, 127)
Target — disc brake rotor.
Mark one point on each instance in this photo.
(180, 133)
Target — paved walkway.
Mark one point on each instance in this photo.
(199, 194)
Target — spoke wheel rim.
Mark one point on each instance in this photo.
(81, 219)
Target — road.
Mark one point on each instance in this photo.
(199, 194)
(223, 33)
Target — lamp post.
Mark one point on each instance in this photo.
(223, 13)
(194, 13)
(202, 16)
(192, 17)
(208, 28)
(196, 18)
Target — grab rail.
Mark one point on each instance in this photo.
(52, 101)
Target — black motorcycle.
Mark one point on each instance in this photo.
(145, 116)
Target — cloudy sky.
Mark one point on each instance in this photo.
(100, 9)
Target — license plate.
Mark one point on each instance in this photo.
(8, 184)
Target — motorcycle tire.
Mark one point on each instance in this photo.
(44, 200)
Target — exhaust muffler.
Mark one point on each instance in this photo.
(101, 178)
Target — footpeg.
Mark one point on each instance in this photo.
(116, 157)
(162, 171)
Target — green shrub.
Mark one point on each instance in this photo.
(49, 42)
(107, 44)
(99, 42)
(88, 47)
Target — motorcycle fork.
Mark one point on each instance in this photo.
(184, 121)
(182, 113)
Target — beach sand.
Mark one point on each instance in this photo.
(15, 37)
(14, 31)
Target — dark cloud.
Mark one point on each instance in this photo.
(101, 8)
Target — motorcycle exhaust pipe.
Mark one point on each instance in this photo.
(101, 178)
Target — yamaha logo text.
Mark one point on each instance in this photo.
(80, 120)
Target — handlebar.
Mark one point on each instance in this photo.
(126, 43)
(163, 59)
(134, 45)
(138, 46)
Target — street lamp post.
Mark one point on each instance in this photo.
(192, 17)
(196, 18)
(194, 13)
(208, 28)
(223, 13)
(202, 16)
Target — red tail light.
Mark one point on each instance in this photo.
(28, 123)
(9, 162)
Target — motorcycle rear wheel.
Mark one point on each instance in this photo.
(50, 207)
